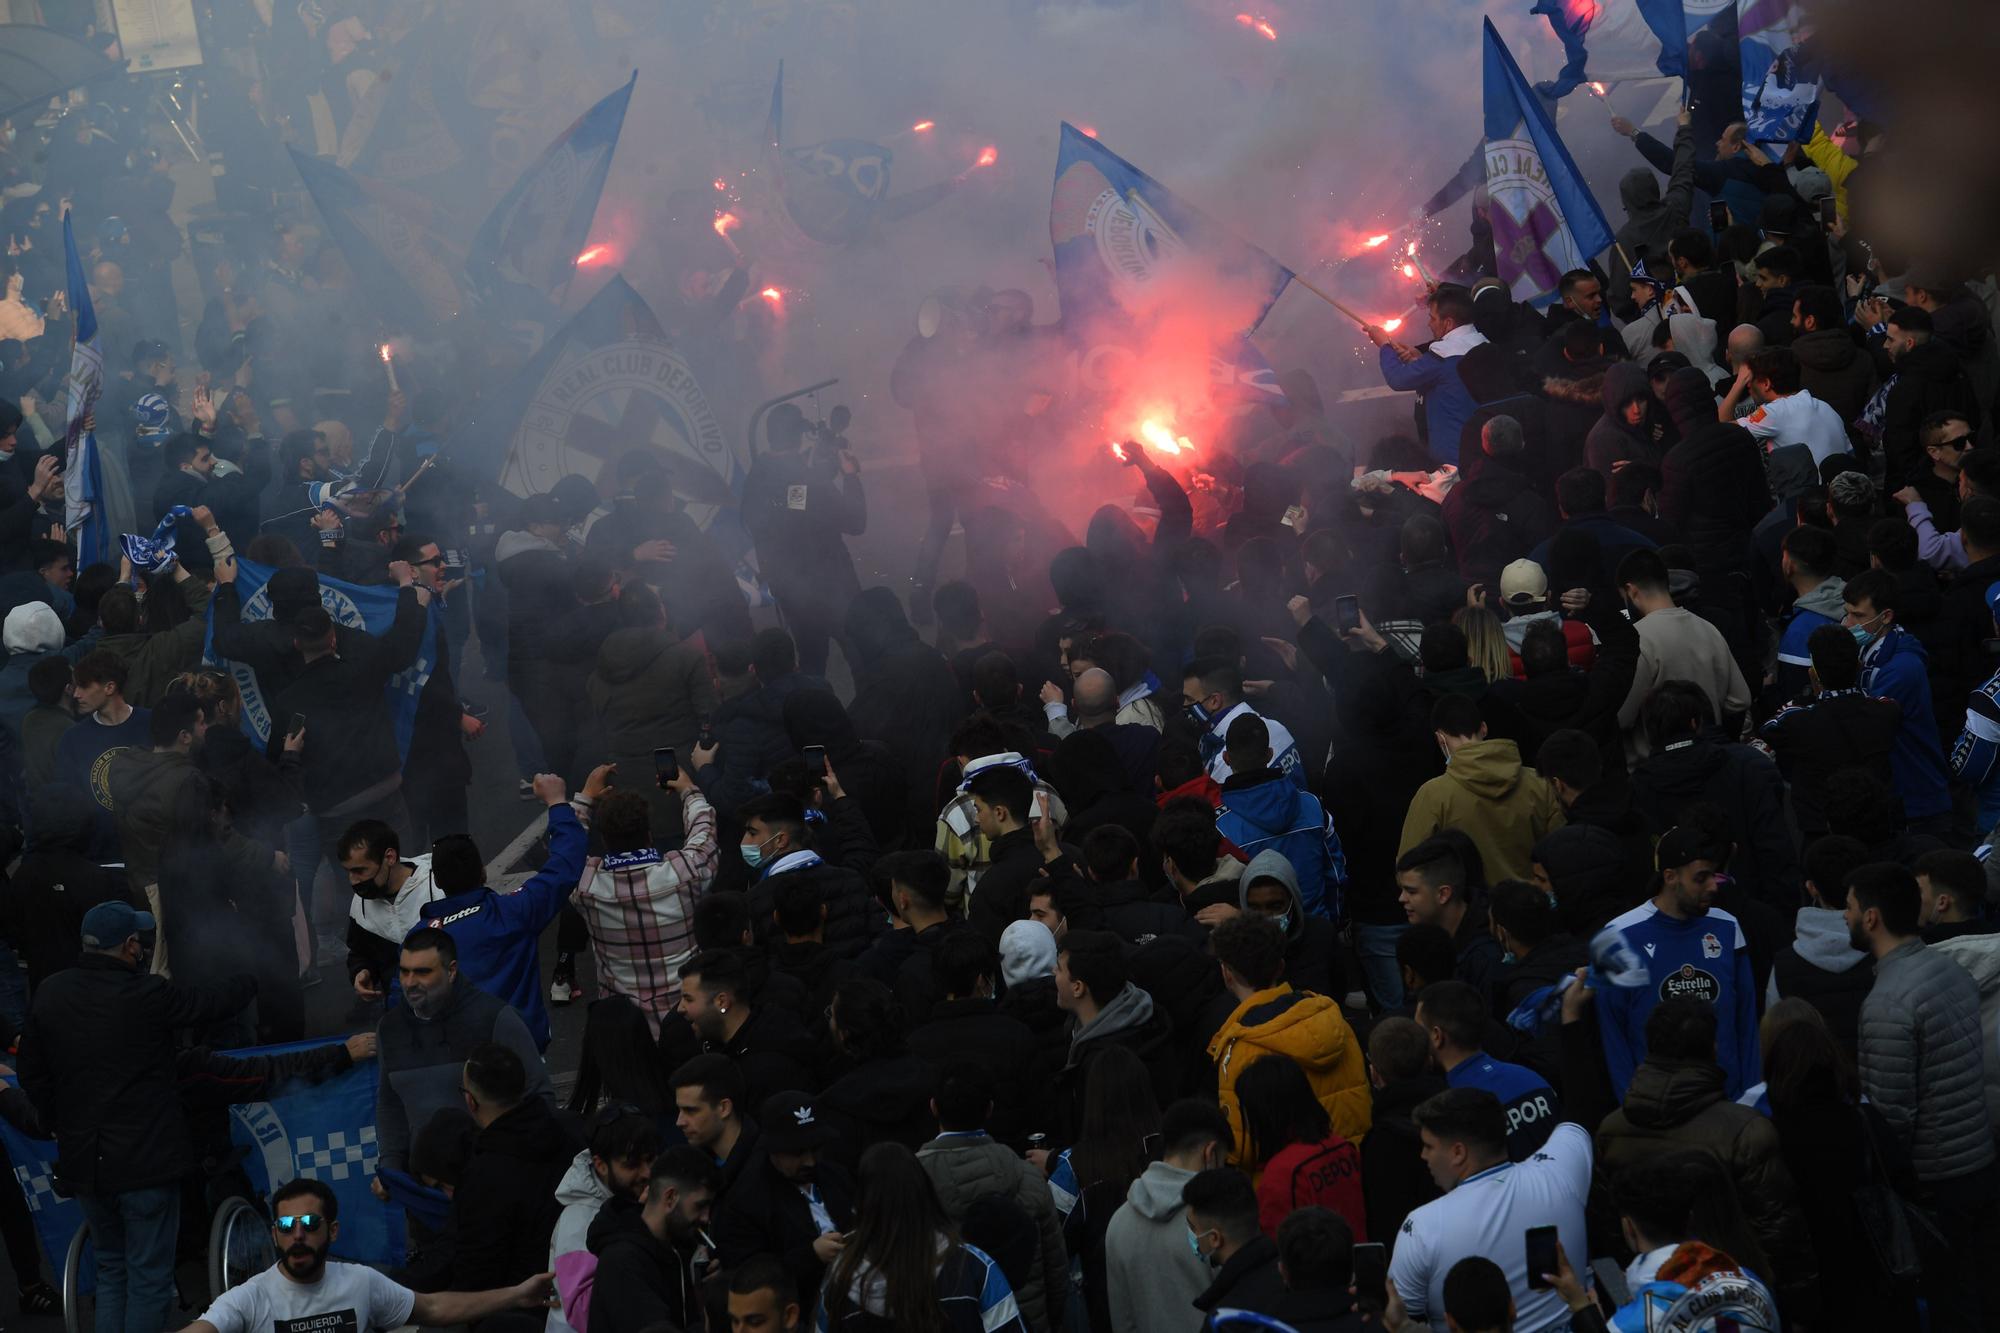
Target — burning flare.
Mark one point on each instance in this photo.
(1258, 25)
(772, 294)
(1118, 452)
(1157, 435)
(987, 156)
(725, 223)
(384, 350)
(923, 127)
(1087, 131)
(1597, 88)
(719, 183)
(1391, 325)
(1374, 241)
(1409, 270)
(591, 254)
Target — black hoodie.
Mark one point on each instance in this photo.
(1497, 517)
(1745, 786)
(1712, 487)
(641, 1281)
(506, 1200)
(57, 883)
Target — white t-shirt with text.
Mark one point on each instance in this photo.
(348, 1298)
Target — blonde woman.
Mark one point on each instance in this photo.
(1485, 642)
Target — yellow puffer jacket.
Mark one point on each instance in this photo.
(1308, 1030)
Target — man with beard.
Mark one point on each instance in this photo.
(787, 1202)
(390, 894)
(302, 1290)
(768, 1044)
(426, 1041)
(611, 1174)
(646, 1261)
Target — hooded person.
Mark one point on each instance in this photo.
(649, 690)
(1695, 337)
(905, 695)
(1634, 427)
(866, 770)
(1273, 1018)
(1093, 986)
(31, 632)
(612, 1172)
(1589, 873)
(1833, 367)
(1262, 809)
(1028, 978)
(1651, 215)
(1270, 888)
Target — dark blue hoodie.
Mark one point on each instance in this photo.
(1896, 667)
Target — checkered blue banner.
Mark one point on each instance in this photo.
(323, 1130)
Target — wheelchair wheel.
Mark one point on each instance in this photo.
(79, 1311)
(239, 1245)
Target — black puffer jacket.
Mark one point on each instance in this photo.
(853, 917)
(1928, 379)
(97, 1060)
(1712, 485)
(641, 1282)
(887, 1100)
(1744, 785)
(1834, 369)
(1497, 517)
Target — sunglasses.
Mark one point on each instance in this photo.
(300, 1221)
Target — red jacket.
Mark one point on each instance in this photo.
(1582, 652)
(1300, 1175)
(1204, 788)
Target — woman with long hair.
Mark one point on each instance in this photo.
(903, 1267)
(1116, 1139)
(882, 1093)
(1827, 1134)
(1485, 642)
(1296, 1158)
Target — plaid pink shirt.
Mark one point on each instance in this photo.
(639, 907)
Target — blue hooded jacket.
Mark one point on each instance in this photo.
(1896, 667)
(1266, 812)
(499, 935)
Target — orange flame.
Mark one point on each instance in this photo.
(1156, 433)
(923, 127)
(1391, 325)
(1373, 241)
(1597, 88)
(772, 294)
(725, 223)
(987, 156)
(1087, 131)
(1246, 20)
(590, 255)
(1118, 452)
(1269, 32)
(1412, 248)
(719, 183)
(1409, 270)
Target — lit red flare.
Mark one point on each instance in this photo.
(1412, 248)
(1409, 270)
(1374, 242)
(772, 294)
(719, 183)
(592, 254)
(384, 350)
(923, 127)
(1269, 32)
(987, 156)
(726, 223)
(1087, 131)
(1597, 88)
(1156, 434)
(1118, 452)
(1257, 25)
(1391, 325)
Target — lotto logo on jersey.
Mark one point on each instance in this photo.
(1690, 981)
(1711, 947)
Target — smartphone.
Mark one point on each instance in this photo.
(1542, 1257)
(665, 767)
(1371, 1274)
(1718, 217)
(815, 757)
(1829, 210)
(707, 736)
(1346, 613)
(297, 725)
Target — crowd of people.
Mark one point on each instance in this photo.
(1529, 873)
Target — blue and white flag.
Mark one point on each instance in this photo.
(1130, 254)
(607, 382)
(1607, 40)
(371, 608)
(398, 245)
(151, 554)
(1545, 220)
(1780, 76)
(83, 475)
(529, 243)
(323, 1130)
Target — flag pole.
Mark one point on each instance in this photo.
(1330, 301)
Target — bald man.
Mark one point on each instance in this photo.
(1744, 339)
(1096, 698)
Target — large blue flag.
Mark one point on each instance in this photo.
(370, 607)
(1545, 220)
(1615, 39)
(1781, 76)
(83, 475)
(1130, 254)
(398, 244)
(607, 382)
(529, 242)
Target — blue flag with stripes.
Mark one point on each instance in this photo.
(529, 243)
(1545, 220)
(83, 475)
(1781, 74)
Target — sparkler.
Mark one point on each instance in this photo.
(389, 364)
